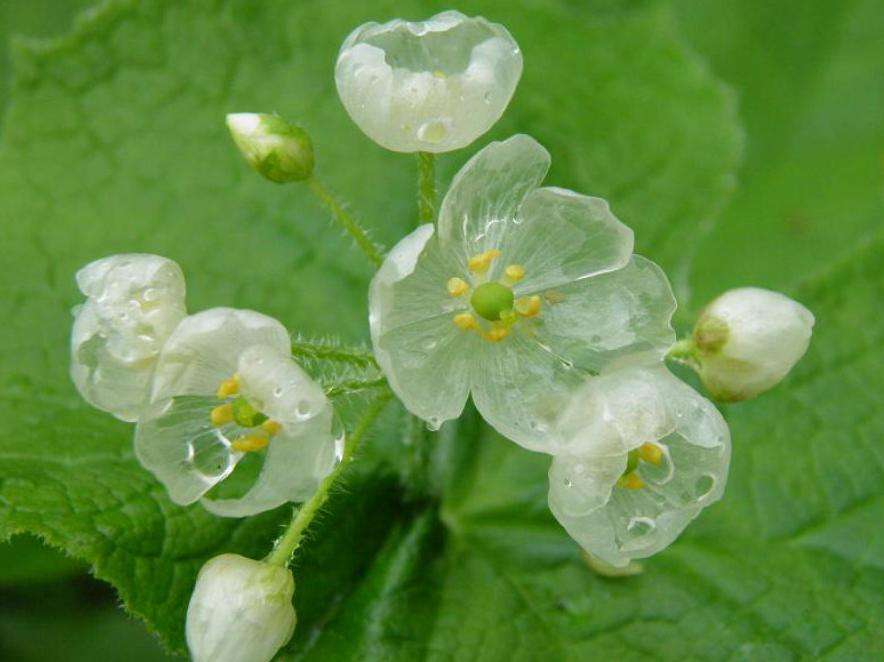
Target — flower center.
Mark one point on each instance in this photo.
(630, 479)
(491, 300)
(238, 410)
(494, 302)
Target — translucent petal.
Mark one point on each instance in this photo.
(561, 237)
(204, 350)
(482, 202)
(641, 406)
(611, 319)
(433, 85)
(521, 387)
(134, 302)
(296, 461)
(424, 356)
(302, 453)
(176, 441)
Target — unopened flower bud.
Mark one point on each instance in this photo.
(240, 611)
(279, 151)
(747, 340)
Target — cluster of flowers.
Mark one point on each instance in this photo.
(527, 298)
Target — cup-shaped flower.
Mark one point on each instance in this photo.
(431, 86)
(240, 611)
(520, 294)
(230, 404)
(277, 150)
(133, 304)
(642, 455)
(747, 340)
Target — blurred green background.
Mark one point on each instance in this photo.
(809, 79)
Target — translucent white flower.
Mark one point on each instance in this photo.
(279, 151)
(133, 303)
(642, 454)
(747, 340)
(240, 611)
(228, 396)
(521, 294)
(433, 85)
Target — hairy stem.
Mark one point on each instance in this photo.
(347, 222)
(426, 187)
(291, 539)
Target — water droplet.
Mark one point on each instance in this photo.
(434, 423)
(538, 426)
(303, 409)
(595, 338)
(640, 526)
(433, 132)
(430, 344)
(567, 482)
(704, 486)
(487, 97)
(277, 391)
(150, 294)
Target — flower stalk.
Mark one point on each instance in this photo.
(350, 225)
(290, 541)
(426, 188)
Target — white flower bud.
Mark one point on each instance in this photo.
(431, 86)
(240, 611)
(134, 303)
(747, 340)
(277, 150)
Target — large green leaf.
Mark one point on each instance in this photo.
(113, 141)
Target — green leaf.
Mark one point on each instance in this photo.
(114, 141)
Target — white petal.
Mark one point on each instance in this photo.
(302, 454)
(240, 611)
(433, 85)
(563, 237)
(176, 441)
(484, 197)
(204, 350)
(520, 387)
(424, 356)
(767, 333)
(614, 318)
(638, 405)
(297, 459)
(134, 302)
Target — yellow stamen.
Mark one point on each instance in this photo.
(554, 297)
(439, 73)
(457, 287)
(497, 334)
(222, 414)
(271, 427)
(631, 481)
(465, 321)
(249, 444)
(528, 306)
(479, 264)
(651, 453)
(514, 272)
(228, 387)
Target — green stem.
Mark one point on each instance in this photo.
(291, 539)
(426, 187)
(327, 351)
(354, 385)
(347, 222)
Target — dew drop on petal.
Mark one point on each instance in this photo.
(433, 423)
(640, 526)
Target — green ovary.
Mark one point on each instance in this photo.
(489, 300)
